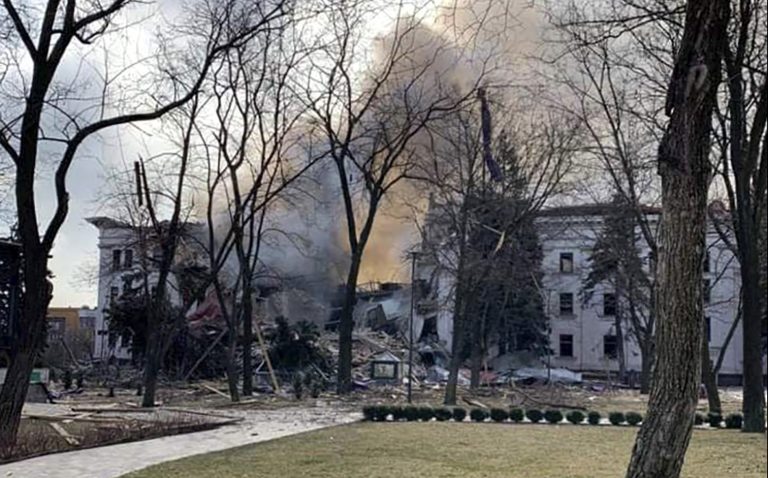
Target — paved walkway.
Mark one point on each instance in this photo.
(116, 460)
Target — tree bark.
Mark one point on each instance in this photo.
(646, 370)
(28, 340)
(753, 405)
(708, 374)
(684, 167)
(346, 325)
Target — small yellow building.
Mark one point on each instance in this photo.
(62, 320)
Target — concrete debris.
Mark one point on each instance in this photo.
(530, 375)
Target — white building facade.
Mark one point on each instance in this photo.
(583, 333)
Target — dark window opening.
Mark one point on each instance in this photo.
(706, 264)
(566, 345)
(128, 259)
(113, 293)
(610, 346)
(566, 262)
(429, 330)
(609, 304)
(116, 259)
(566, 303)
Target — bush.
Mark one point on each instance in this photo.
(534, 415)
(426, 413)
(443, 414)
(734, 421)
(499, 415)
(575, 417)
(714, 419)
(398, 414)
(411, 413)
(594, 418)
(369, 413)
(634, 418)
(616, 418)
(516, 415)
(699, 419)
(478, 415)
(459, 414)
(553, 416)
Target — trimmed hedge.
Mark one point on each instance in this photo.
(443, 414)
(426, 413)
(616, 418)
(411, 413)
(575, 417)
(499, 415)
(535, 416)
(478, 415)
(634, 418)
(594, 418)
(459, 414)
(734, 421)
(517, 415)
(714, 419)
(381, 413)
(553, 416)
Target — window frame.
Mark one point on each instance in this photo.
(566, 312)
(564, 257)
(569, 342)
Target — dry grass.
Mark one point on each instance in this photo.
(466, 450)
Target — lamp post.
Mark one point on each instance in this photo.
(413, 255)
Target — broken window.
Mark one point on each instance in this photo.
(429, 330)
(609, 304)
(566, 303)
(116, 254)
(566, 345)
(610, 347)
(566, 262)
(128, 259)
(56, 326)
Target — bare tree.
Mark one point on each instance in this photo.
(371, 116)
(685, 170)
(36, 99)
(743, 170)
(479, 216)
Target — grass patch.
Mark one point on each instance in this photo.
(467, 450)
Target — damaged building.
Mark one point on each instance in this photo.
(582, 336)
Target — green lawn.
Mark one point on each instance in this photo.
(466, 450)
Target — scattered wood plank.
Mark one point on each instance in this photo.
(111, 410)
(205, 414)
(474, 403)
(65, 434)
(214, 390)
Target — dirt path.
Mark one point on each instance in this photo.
(116, 460)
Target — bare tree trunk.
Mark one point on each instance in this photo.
(620, 350)
(346, 325)
(28, 341)
(684, 167)
(247, 335)
(708, 374)
(646, 370)
(456, 343)
(754, 398)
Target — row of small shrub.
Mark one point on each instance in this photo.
(380, 413)
(715, 420)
